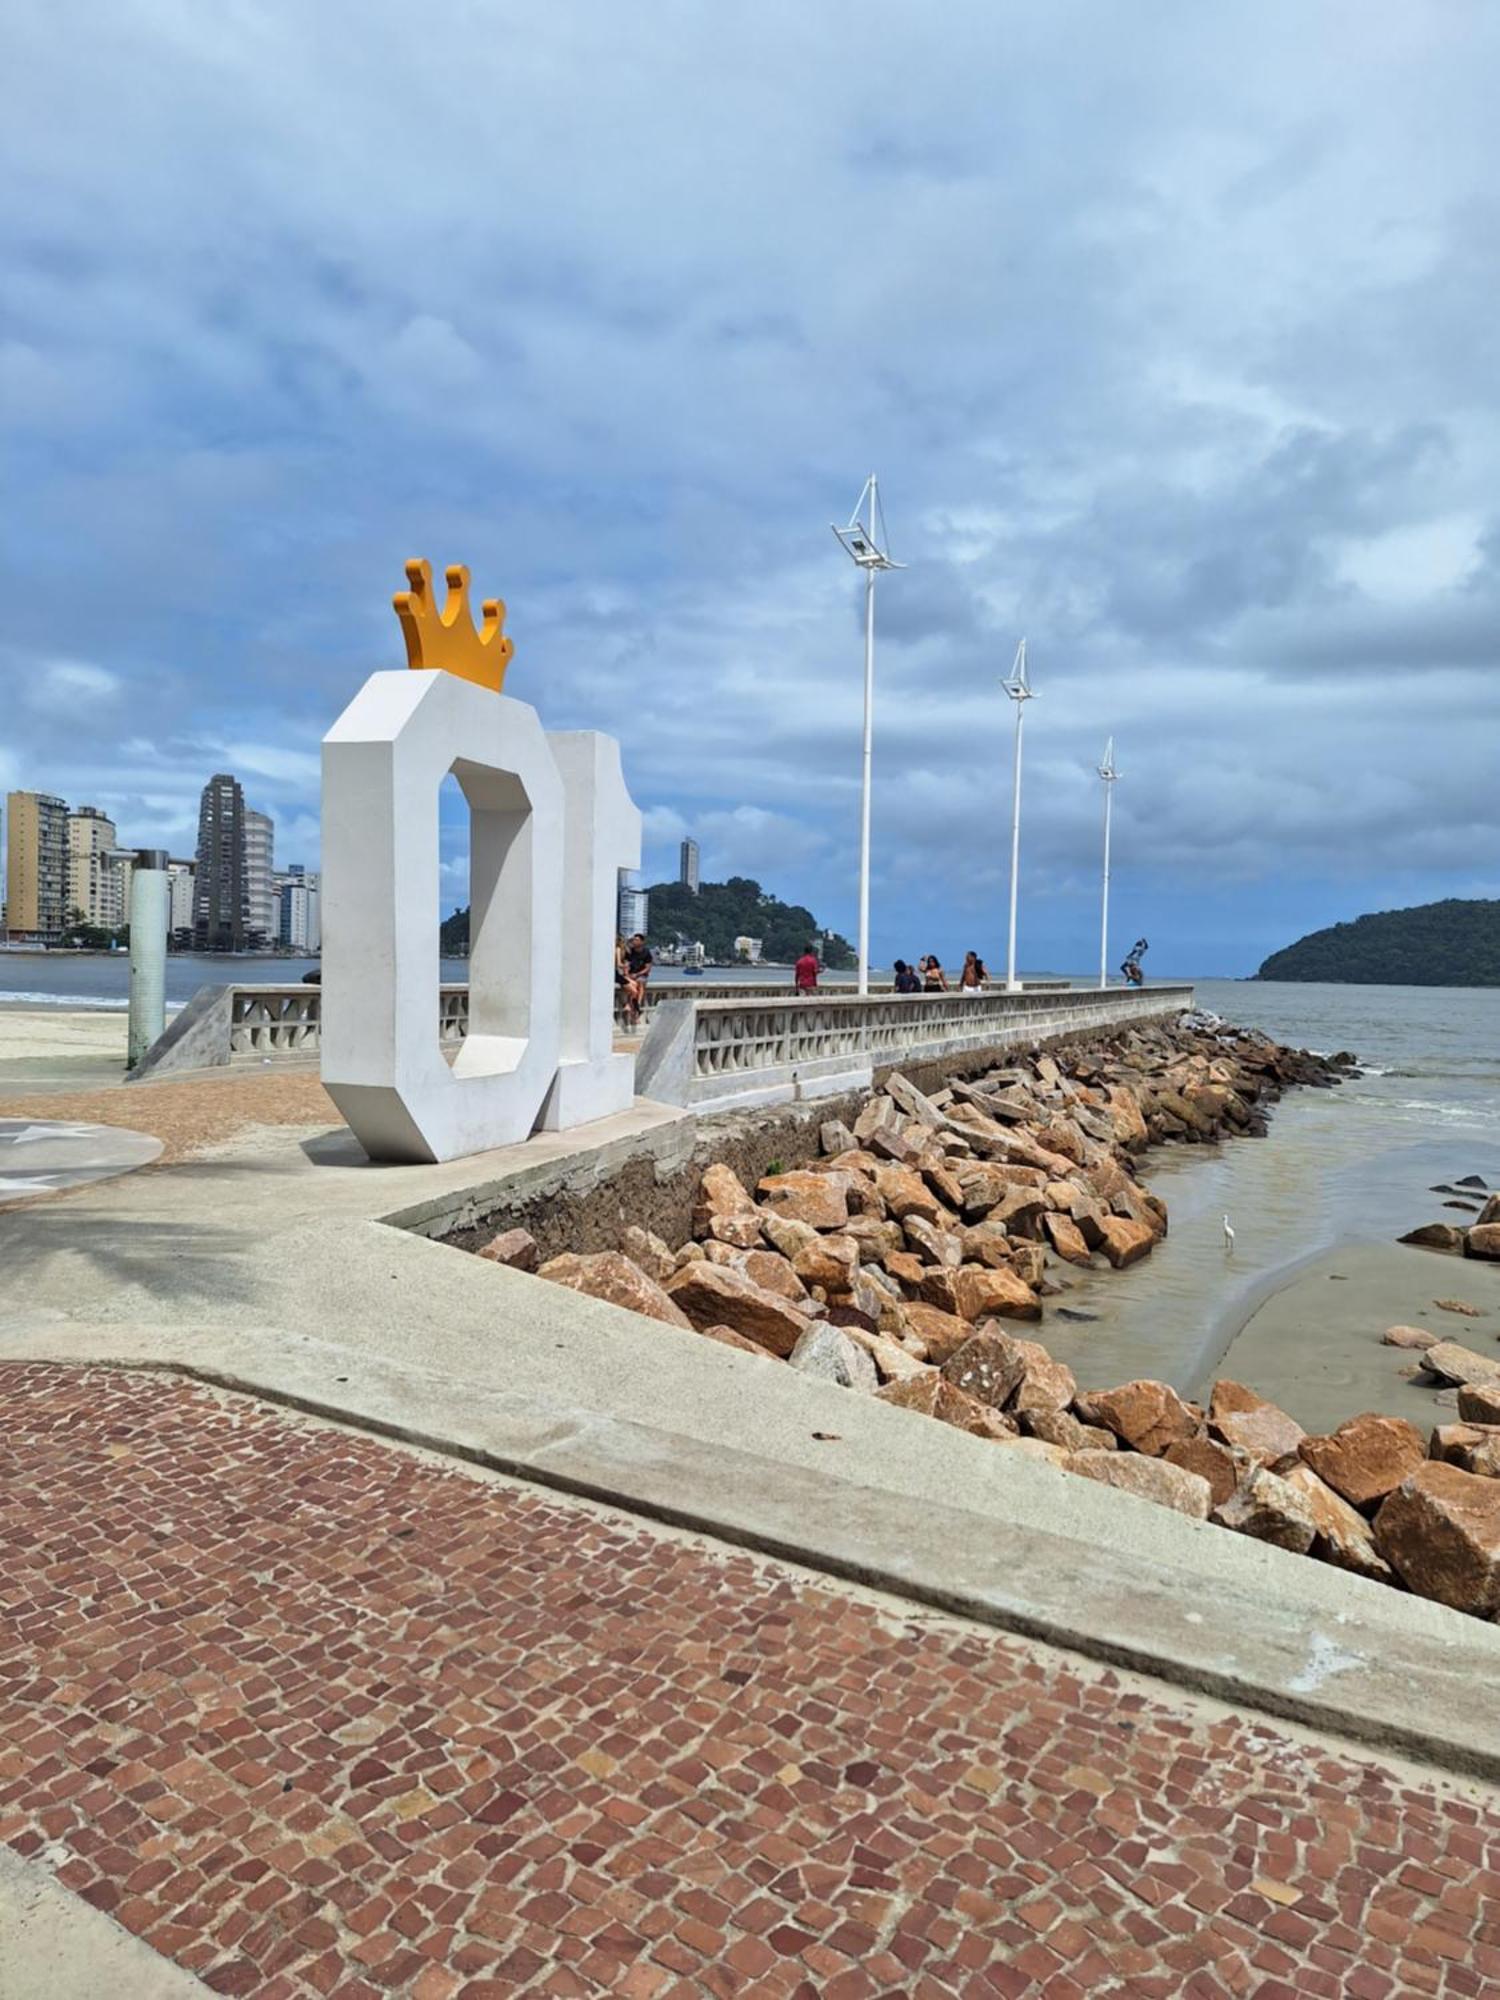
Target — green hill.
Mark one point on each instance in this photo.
(714, 918)
(722, 911)
(1438, 944)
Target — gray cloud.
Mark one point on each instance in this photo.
(1170, 338)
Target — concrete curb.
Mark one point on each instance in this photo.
(54, 1946)
(1131, 1584)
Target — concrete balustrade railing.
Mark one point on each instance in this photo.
(740, 1032)
(712, 1055)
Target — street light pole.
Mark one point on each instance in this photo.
(1109, 774)
(1020, 690)
(862, 538)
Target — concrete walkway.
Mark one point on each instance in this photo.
(274, 1268)
(44, 1156)
(53, 1944)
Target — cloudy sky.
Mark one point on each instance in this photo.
(1170, 330)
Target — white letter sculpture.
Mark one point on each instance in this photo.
(550, 824)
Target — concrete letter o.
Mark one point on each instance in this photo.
(383, 762)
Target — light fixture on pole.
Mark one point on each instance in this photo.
(863, 538)
(1109, 774)
(1020, 690)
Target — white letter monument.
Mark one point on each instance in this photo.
(550, 824)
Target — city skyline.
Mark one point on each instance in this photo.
(65, 867)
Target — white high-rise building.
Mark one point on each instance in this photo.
(180, 881)
(260, 886)
(299, 919)
(634, 905)
(98, 872)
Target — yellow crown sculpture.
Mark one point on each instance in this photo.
(447, 638)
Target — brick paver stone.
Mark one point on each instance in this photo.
(314, 1715)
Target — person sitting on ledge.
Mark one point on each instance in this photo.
(638, 963)
(906, 980)
(628, 989)
(805, 972)
(934, 979)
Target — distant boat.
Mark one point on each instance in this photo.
(692, 972)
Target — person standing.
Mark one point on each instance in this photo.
(906, 980)
(805, 972)
(934, 979)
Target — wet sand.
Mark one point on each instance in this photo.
(1297, 1307)
(1314, 1346)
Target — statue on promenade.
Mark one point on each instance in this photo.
(551, 824)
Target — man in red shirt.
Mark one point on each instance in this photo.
(806, 971)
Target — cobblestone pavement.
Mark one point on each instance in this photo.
(316, 1715)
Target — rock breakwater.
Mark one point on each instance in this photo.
(904, 1261)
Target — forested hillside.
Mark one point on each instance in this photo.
(1437, 944)
(722, 911)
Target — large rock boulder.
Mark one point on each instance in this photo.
(1148, 1416)
(1238, 1416)
(830, 1353)
(980, 1293)
(1147, 1478)
(821, 1200)
(985, 1243)
(713, 1295)
(1341, 1534)
(892, 1362)
(941, 1334)
(785, 1235)
(741, 1231)
(1045, 1384)
(1062, 1428)
(1434, 1236)
(1440, 1532)
(934, 1397)
(1473, 1447)
(1214, 1462)
(771, 1271)
(828, 1261)
(1066, 1238)
(518, 1249)
(1416, 1337)
(1125, 1242)
(1126, 1119)
(1461, 1366)
(877, 1240)
(720, 1192)
(610, 1275)
(932, 1244)
(1482, 1239)
(987, 1367)
(906, 1193)
(1365, 1458)
(1479, 1403)
(1270, 1509)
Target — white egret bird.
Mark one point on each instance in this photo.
(1228, 1234)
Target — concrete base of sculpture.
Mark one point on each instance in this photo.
(550, 822)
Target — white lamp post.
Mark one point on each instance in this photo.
(1109, 774)
(1020, 690)
(862, 538)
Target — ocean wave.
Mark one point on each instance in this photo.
(77, 1003)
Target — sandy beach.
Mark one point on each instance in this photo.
(1314, 1346)
(54, 1048)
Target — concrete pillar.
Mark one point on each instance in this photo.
(149, 904)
